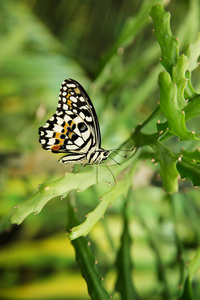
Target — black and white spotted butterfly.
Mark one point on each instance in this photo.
(74, 128)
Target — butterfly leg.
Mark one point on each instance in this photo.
(81, 167)
(112, 173)
(97, 173)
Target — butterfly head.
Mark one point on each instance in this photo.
(106, 153)
(101, 155)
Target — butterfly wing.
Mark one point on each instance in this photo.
(74, 128)
(87, 110)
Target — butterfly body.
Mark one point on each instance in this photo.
(74, 128)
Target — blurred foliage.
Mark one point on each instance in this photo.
(109, 47)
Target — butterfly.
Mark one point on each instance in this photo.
(74, 128)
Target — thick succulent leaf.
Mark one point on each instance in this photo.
(192, 156)
(61, 187)
(192, 109)
(189, 170)
(193, 268)
(178, 77)
(193, 53)
(163, 156)
(119, 189)
(170, 108)
(168, 44)
(189, 92)
(187, 290)
(190, 166)
(194, 265)
(124, 284)
(87, 263)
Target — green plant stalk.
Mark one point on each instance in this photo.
(153, 243)
(87, 263)
(124, 284)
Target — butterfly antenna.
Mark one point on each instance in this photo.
(124, 156)
(115, 161)
(127, 150)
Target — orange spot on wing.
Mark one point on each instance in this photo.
(70, 135)
(57, 136)
(66, 125)
(69, 102)
(55, 147)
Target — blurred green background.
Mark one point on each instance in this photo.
(43, 43)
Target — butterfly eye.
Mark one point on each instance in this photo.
(106, 153)
(82, 127)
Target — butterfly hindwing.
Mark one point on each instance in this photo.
(64, 133)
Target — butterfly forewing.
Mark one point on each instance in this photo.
(74, 128)
(79, 103)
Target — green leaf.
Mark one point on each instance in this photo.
(119, 189)
(170, 108)
(134, 24)
(187, 290)
(193, 268)
(194, 265)
(189, 26)
(189, 92)
(178, 75)
(162, 155)
(189, 170)
(124, 284)
(193, 53)
(168, 44)
(193, 156)
(192, 109)
(131, 28)
(87, 264)
(61, 187)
